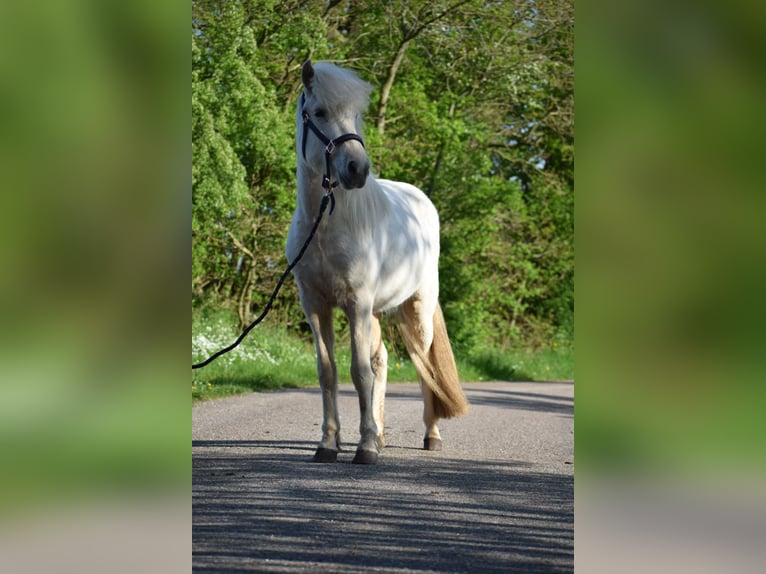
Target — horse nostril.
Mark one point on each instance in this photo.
(357, 172)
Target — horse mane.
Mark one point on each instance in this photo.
(340, 88)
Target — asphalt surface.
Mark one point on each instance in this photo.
(498, 498)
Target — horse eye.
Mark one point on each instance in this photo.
(320, 112)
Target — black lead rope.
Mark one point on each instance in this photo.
(323, 206)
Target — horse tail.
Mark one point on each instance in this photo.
(436, 365)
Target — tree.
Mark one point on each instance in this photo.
(475, 105)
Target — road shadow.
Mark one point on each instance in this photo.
(522, 400)
(500, 398)
(262, 506)
(277, 445)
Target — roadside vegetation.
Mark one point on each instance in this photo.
(270, 358)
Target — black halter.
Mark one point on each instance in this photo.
(329, 150)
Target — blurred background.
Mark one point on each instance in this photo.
(94, 259)
(670, 258)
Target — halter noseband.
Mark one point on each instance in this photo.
(330, 146)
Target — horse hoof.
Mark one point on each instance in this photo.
(431, 443)
(325, 455)
(365, 457)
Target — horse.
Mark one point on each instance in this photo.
(377, 252)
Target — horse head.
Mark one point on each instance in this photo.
(330, 111)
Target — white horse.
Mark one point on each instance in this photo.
(377, 252)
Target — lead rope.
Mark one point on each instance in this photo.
(328, 196)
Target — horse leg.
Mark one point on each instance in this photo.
(324, 339)
(379, 362)
(361, 320)
(432, 439)
(420, 316)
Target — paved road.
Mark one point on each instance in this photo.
(498, 498)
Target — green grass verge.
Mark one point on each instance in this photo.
(270, 359)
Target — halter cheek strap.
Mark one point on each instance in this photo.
(330, 146)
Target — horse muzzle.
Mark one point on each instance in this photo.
(354, 176)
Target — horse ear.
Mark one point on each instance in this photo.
(307, 75)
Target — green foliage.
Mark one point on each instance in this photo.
(270, 358)
(474, 104)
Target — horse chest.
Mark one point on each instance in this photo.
(341, 270)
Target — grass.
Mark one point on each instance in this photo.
(270, 359)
